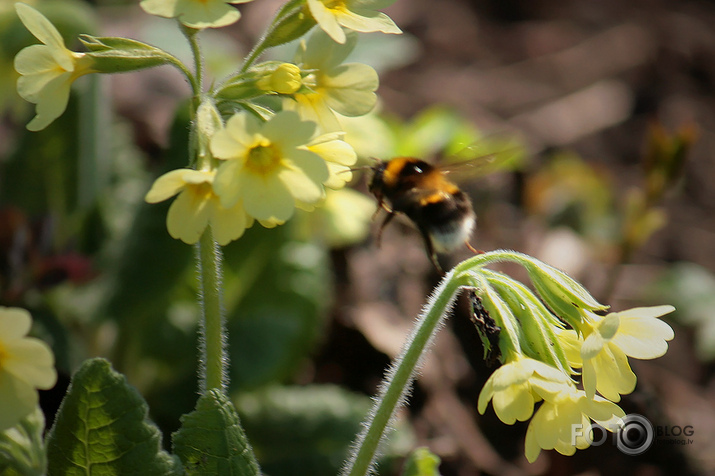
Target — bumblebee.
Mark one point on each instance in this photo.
(442, 212)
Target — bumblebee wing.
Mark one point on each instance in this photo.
(472, 161)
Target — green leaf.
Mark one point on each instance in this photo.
(422, 462)
(211, 440)
(308, 427)
(22, 451)
(102, 429)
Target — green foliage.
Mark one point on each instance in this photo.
(422, 462)
(102, 429)
(302, 427)
(277, 290)
(22, 451)
(211, 440)
(119, 55)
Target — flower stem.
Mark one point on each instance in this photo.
(213, 343)
(400, 376)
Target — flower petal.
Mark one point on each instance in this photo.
(206, 14)
(326, 20)
(227, 182)
(166, 186)
(31, 361)
(46, 32)
(266, 198)
(304, 175)
(349, 89)
(52, 102)
(287, 130)
(365, 21)
(17, 399)
(228, 224)
(188, 216)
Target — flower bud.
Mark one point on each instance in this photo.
(285, 79)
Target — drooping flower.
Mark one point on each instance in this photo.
(564, 420)
(357, 15)
(267, 165)
(511, 388)
(197, 206)
(348, 89)
(605, 343)
(48, 70)
(26, 364)
(195, 13)
(636, 333)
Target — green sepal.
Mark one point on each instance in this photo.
(211, 440)
(102, 428)
(22, 451)
(422, 462)
(120, 55)
(208, 122)
(510, 337)
(537, 324)
(565, 296)
(291, 22)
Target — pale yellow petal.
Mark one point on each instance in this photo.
(367, 21)
(14, 323)
(32, 361)
(286, 129)
(643, 337)
(326, 20)
(46, 32)
(614, 374)
(336, 151)
(206, 14)
(227, 182)
(17, 400)
(514, 403)
(228, 224)
(267, 198)
(188, 216)
(350, 89)
(52, 102)
(166, 186)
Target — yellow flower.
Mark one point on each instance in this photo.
(511, 388)
(26, 364)
(195, 13)
(267, 165)
(285, 79)
(636, 333)
(197, 206)
(563, 421)
(357, 15)
(48, 70)
(348, 89)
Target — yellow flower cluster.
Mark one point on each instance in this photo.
(600, 347)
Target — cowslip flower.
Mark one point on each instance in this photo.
(563, 421)
(197, 206)
(47, 70)
(26, 364)
(511, 388)
(357, 15)
(636, 333)
(195, 13)
(267, 166)
(348, 89)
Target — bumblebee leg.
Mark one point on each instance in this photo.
(472, 249)
(431, 252)
(387, 220)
